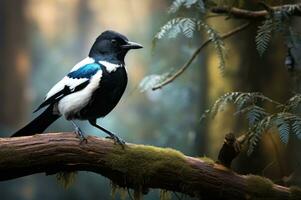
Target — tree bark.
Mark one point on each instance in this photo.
(292, 9)
(14, 65)
(134, 166)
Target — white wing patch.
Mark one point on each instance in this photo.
(84, 62)
(74, 102)
(67, 81)
(110, 67)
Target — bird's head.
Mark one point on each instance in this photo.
(112, 46)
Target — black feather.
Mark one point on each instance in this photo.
(64, 92)
(39, 124)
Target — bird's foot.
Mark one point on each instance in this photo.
(80, 134)
(117, 140)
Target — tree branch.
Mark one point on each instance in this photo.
(293, 9)
(194, 55)
(136, 166)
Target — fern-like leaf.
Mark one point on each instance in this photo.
(283, 126)
(293, 102)
(221, 102)
(263, 37)
(264, 33)
(291, 8)
(174, 27)
(188, 27)
(255, 114)
(177, 4)
(217, 41)
(296, 127)
(244, 99)
(256, 131)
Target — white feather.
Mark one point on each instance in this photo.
(66, 81)
(84, 62)
(110, 67)
(76, 101)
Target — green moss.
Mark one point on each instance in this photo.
(123, 193)
(115, 189)
(295, 193)
(139, 162)
(165, 195)
(207, 160)
(259, 187)
(66, 179)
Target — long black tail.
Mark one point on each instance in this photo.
(39, 124)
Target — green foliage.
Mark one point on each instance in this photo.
(251, 105)
(217, 42)
(255, 114)
(283, 126)
(187, 26)
(241, 99)
(276, 21)
(173, 27)
(263, 36)
(189, 23)
(260, 121)
(296, 126)
(255, 132)
(177, 4)
(293, 102)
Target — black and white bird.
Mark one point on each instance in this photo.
(90, 90)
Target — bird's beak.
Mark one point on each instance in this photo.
(132, 45)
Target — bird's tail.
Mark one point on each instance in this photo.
(39, 124)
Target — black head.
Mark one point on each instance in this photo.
(112, 46)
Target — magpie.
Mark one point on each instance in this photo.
(90, 90)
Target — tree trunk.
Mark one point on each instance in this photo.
(14, 66)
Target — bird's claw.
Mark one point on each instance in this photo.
(80, 135)
(117, 140)
(83, 140)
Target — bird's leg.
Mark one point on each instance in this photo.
(111, 135)
(79, 132)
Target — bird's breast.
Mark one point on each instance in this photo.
(110, 90)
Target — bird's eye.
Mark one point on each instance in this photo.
(114, 41)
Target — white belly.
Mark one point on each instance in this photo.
(74, 102)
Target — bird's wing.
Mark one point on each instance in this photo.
(76, 80)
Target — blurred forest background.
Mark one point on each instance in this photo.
(42, 40)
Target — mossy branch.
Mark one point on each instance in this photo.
(136, 166)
